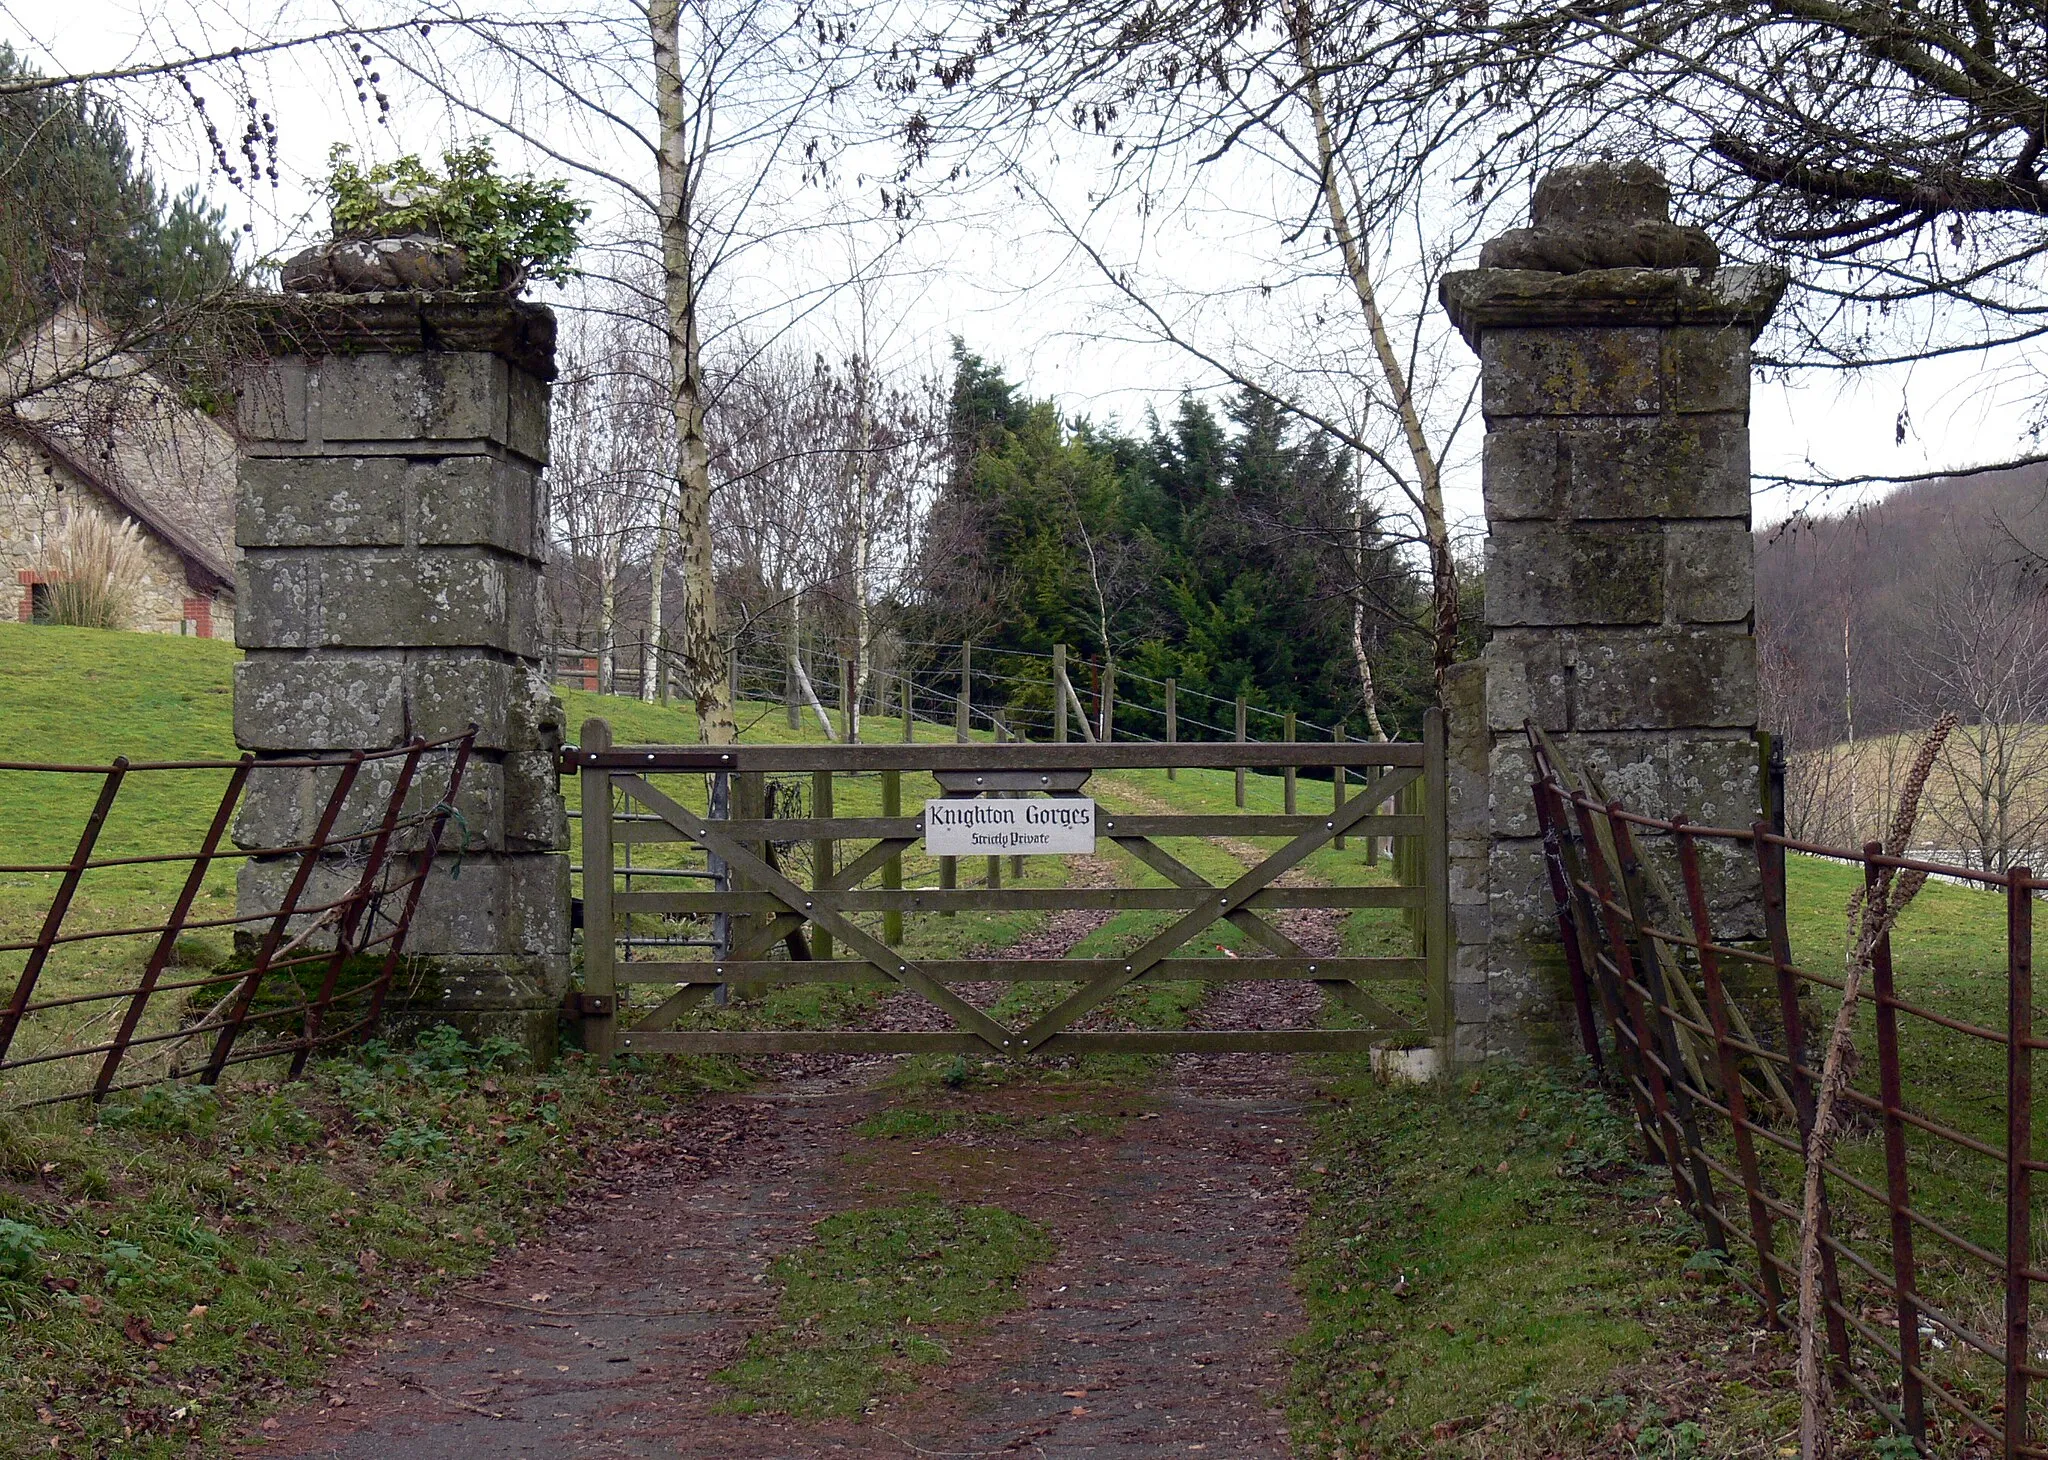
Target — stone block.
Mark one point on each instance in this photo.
(1662, 680)
(283, 806)
(319, 703)
(321, 501)
(536, 719)
(1538, 573)
(1709, 572)
(1518, 887)
(535, 818)
(1528, 677)
(1691, 466)
(270, 400)
(1524, 471)
(1708, 367)
(530, 416)
(378, 598)
(502, 905)
(1585, 371)
(1709, 779)
(484, 501)
(426, 396)
(447, 689)
(276, 600)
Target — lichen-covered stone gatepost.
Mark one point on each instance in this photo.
(390, 521)
(1614, 374)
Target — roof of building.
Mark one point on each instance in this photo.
(73, 391)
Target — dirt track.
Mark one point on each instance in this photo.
(1158, 1329)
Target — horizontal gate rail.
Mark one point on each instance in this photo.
(767, 931)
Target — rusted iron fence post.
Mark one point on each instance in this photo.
(2019, 1152)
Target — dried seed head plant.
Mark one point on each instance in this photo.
(1872, 910)
(93, 569)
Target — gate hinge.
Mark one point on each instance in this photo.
(591, 1006)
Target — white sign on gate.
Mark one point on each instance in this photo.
(1031, 827)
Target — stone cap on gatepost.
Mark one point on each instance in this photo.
(391, 371)
(1602, 250)
(405, 321)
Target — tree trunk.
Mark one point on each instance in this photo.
(1436, 528)
(607, 632)
(699, 649)
(651, 667)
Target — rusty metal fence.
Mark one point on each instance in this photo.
(1928, 1238)
(131, 963)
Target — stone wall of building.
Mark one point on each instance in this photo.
(390, 525)
(1619, 575)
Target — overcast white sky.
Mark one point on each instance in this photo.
(1002, 282)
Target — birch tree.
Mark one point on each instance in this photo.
(717, 128)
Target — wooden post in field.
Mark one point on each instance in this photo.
(907, 695)
(1337, 774)
(1059, 694)
(964, 709)
(1287, 772)
(892, 870)
(846, 710)
(1108, 732)
(1172, 726)
(821, 854)
(1240, 741)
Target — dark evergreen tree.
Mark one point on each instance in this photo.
(83, 222)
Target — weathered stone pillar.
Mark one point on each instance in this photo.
(1614, 360)
(390, 522)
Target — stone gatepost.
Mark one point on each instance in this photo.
(390, 524)
(1614, 376)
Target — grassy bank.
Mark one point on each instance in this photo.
(173, 1267)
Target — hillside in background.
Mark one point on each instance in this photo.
(1865, 618)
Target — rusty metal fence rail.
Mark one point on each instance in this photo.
(1928, 1235)
(94, 948)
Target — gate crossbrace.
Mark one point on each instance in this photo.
(1228, 900)
(810, 905)
(1182, 875)
(844, 880)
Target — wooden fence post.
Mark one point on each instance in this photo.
(1337, 775)
(963, 710)
(908, 703)
(1173, 730)
(822, 852)
(1240, 741)
(1108, 731)
(1287, 772)
(892, 870)
(1436, 875)
(1059, 694)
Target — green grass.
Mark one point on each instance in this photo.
(1489, 1272)
(870, 1302)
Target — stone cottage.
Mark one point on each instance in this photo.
(85, 428)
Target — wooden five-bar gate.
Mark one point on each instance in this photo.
(694, 885)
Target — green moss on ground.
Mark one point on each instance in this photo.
(872, 1300)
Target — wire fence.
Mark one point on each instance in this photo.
(1699, 951)
(132, 963)
(1015, 694)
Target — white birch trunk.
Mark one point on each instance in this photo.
(698, 647)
